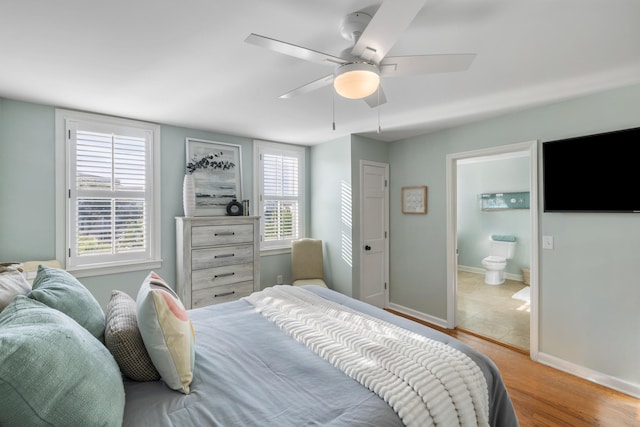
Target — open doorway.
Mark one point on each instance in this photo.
(476, 184)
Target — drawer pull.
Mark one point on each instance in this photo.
(223, 275)
(225, 233)
(224, 294)
(224, 256)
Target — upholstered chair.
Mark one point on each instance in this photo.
(306, 262)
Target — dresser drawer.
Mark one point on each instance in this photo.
(218, 276)
(220, 294)
(221, 256)
(209, 235)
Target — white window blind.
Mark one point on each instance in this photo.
(111, 207)
(281, 198)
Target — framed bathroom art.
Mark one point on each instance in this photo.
(414, 200)
(216, 168)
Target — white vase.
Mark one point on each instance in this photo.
(188, 196)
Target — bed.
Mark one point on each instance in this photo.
(283, 356)
(250, 371)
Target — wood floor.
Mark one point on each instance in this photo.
(543, 396)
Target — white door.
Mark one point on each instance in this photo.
(374, 220)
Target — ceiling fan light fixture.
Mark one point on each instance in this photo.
(356, 80)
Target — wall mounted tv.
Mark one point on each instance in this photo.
(594, 173)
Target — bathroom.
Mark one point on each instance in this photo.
(484, 210)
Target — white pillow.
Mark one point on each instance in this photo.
(167, 332)
(12, 283)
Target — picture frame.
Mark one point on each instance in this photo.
(216, 168)
(414, 200)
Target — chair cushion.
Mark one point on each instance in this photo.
(167, 332)
(303, 282)
(122, 338)
(60, 290)
(54, 372)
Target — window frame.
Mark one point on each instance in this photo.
(260, 147)
(65, 120)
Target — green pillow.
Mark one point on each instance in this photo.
(54, 372)
(60, 290)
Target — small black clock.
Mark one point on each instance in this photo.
(234, 208)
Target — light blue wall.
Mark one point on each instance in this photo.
(27, 186)
(475, 226)
(589, 292)
(418, 242)
(335, 205)
(27, 204)
(331, 210)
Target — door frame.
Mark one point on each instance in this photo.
(452, 277)
(386, 228)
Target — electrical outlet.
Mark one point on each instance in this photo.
(279, 279)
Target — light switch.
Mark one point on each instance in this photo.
(547, 242)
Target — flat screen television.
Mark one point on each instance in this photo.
(593, 173)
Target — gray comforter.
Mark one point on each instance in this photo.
(249, 373)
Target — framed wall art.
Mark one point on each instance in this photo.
(414, 200)
(216, 168)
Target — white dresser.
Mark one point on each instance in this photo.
(218, 259)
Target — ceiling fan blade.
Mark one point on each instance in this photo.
(376, 98)
(293, 50)
(309, 87)
(425, 64)
(385, 28)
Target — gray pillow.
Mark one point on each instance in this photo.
(60, 290)
(54, 372)
(122, 338)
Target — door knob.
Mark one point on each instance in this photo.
(367, 248)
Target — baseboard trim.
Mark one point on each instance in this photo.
(471, 269)
(590, 375)
(510, 276)
(442, 323)
(600, 378)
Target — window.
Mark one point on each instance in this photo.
(109, 179)
(280, 193)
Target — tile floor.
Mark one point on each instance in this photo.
(491, 311)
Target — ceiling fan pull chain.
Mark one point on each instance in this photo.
(379, 128)
(333, 108)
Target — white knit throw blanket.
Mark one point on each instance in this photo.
(426, 382)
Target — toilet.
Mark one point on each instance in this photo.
(502, 248)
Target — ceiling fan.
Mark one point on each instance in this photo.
(357, 71)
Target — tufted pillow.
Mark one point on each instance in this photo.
(54, 372)
(12, 283)
(122, 338)
(167, 332)
(60, 290)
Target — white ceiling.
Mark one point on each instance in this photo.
(185, 63)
